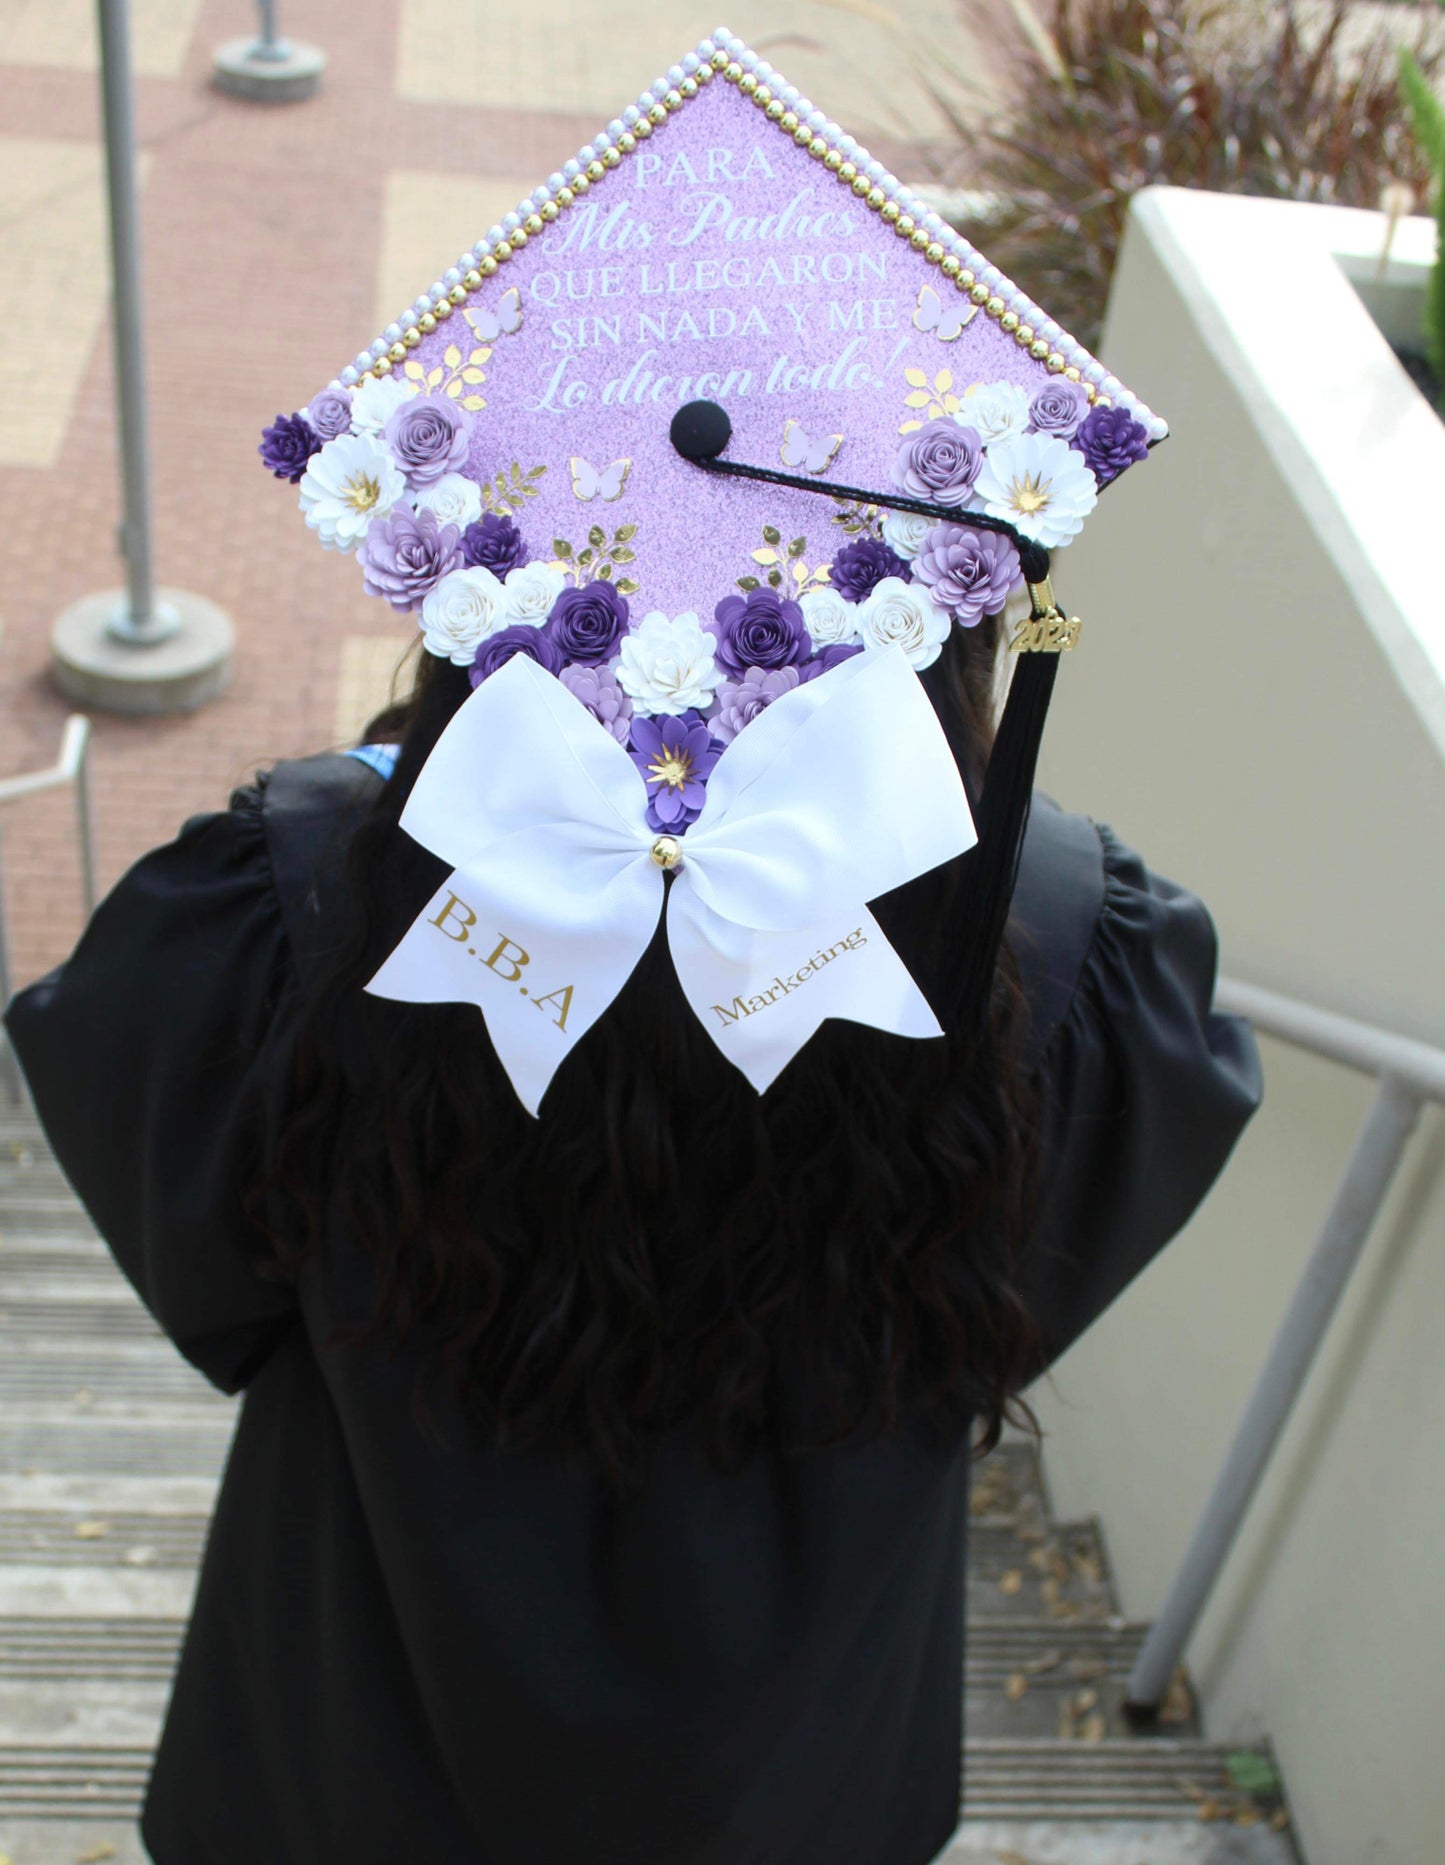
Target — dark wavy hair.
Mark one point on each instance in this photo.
(664, 1249)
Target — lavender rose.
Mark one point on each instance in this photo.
(828, 658)
(859, 568)
(675, 756)
(1110, 439)
(330, 414)
(761, 629)
(287, 445)
(739, 702)
(428, 437)
(496, 650)
(403, 557)
(599, 692)
(968, 572)
(588, 623)
(939, 463)
(1058, 409)
(493, 544)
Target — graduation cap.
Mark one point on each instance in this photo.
(716, 411)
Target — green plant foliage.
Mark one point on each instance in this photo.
(1104, 97)
(1428, 115)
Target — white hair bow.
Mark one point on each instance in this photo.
(841, 790)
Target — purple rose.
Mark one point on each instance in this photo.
(761, 629)
(428, 436)
(1110, 439)
(599, 692)
(826, 659)
(493, 544)
(939, 463)
(675, 757)
(588, 623)
(405, 556)
(968, 572)
(739, 702)
(287, 446)
(1058, 408)
(859, 568)
(499, 648)
(330, 414)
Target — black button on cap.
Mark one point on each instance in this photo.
(700, 430)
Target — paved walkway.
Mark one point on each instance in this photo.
(277, 242)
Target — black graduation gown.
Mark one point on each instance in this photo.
(404, 1652)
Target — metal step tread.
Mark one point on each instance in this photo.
(40, 1314)
(100, 1539)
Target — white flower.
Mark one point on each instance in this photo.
(529, 594)
(668, 665)
(1040, 484)
(352, 480)
(829, 616)
(454, 498)
(995, 410)
(904, 532)
(905, 614)
(376, 400)
(457, 616)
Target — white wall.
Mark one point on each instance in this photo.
(1240, 710)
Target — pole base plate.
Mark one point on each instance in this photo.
(177, 673)
(238, 69)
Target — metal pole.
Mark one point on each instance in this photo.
(270, 46)
(83, 823)
(9, 1067)
(138, 618)
(1357, 1201)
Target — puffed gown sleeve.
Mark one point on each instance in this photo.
(152, 1059)
(1144, 1089)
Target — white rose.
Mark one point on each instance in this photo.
(376, 400)
(995, 410)
(460, 612)
(668, 665)
(454, 498)
(904, 532)
(904, 614)
(829, 616)
(351, 481)
(529, 594)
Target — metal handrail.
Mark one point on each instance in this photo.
(72, 766)
(1409, 1074)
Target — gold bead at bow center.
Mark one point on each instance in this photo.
(666, 851)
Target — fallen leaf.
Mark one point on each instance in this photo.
(1039, 1558)
(139, 1557)
(1085, 1700)
(1246, 1816)
(1016, 1686)
(91, 1531)
(1251, 1773)
(1004, 1858)
(1208, 1810)
(1279, 1819)
(1047, 1661)
(1093, 1729)
(1011, 1582)
(96, 1854)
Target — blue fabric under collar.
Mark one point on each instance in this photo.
(380, 758)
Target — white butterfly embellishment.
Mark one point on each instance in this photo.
(812, 455)
(505, 320)
(588, 483)
(946, 321)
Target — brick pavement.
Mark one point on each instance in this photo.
(270, 235)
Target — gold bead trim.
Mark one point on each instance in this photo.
(841, 167)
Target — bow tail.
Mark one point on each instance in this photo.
(762, 995)
(540, 976)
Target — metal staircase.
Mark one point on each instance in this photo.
(110, 1448)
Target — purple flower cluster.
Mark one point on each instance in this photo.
(428, 437)
(675, 757)
(494, 544)
(740, 701)
(762, 629)
(968, 571)
(1110, 439)
(860, 567)
(287, 445)
(588, 623)
(404, 557)
(1058, 408)
(940, 462)
(494, 653)
(330, 414)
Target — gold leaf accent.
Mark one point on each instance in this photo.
(434, 378)
(797, 547)
(561, 547)
(626, 586)
(772, 535)
(765, 556)
(479, 356)
(624, 533)
(596, 535)
(472, 403)
(748, 582)
(452, 356)
(473, 375)
(604, 571)
(920, 398)
(910, 427)
(414, 371)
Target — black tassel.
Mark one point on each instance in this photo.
(1008, 789)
